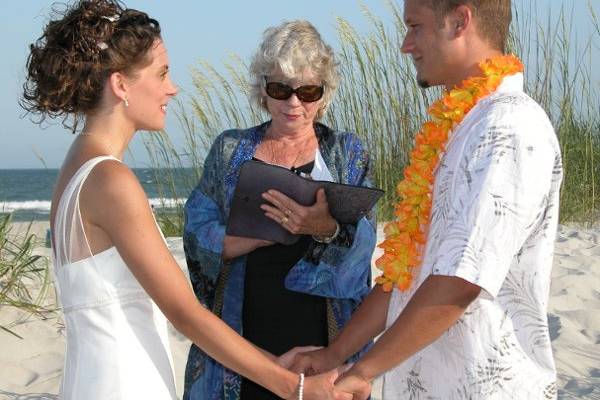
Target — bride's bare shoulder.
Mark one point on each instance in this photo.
(112, 178)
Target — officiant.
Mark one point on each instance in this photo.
(279, 296)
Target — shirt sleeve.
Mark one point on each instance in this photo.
(498, 196)
(342, 268)
(204, 226)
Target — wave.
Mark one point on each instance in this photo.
(31, 205)
(44, 205)
(166, 203)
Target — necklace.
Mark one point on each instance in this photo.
(104, 145)
(405, 237)
(277, 160)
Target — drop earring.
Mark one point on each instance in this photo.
(126, 102)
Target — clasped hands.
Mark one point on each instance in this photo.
(336, 381)
(312, 360)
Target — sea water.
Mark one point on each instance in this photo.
(27, 193)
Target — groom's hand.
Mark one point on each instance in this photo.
(287, 359)
(359, 387)
(314, 362)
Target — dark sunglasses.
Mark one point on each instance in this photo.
(306, 93)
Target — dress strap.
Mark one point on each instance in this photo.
(69, 239)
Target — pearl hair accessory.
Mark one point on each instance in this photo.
(113, 19)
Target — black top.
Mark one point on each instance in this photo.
(275, 318)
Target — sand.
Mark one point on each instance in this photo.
(30, 368)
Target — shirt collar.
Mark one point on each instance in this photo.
(511, 83)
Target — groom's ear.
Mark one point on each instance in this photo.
(461, 20)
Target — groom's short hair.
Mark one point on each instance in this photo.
(493, 17)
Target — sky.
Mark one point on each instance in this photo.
(193, 30)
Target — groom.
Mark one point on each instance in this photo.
(472, 324)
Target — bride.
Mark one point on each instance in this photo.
(108, 67)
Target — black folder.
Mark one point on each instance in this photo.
(347, 203)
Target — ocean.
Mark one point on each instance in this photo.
(26, 193)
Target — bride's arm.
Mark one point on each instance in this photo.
(113, 200)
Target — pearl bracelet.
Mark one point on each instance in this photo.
(301, 387)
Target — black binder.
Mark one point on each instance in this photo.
(347, 203)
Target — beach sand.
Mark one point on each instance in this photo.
(30, 368)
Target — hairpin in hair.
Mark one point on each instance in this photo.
(112, 18)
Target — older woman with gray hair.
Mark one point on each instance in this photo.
(279, 296)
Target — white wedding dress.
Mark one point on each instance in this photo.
(117, 342)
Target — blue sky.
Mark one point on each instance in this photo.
(192, 30)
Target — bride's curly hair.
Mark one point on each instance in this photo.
(80, 47)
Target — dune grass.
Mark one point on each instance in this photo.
(380, 100)
(20, 271)
(559, 77)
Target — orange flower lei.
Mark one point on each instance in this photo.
(406, 236)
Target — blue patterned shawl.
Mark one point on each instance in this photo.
(339, 271)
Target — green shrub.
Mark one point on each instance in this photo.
(24, 277)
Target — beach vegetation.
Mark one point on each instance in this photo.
(24, 275)
(380, 100)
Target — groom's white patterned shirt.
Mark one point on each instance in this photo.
(494, 221)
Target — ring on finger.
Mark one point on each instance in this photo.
(284, 220)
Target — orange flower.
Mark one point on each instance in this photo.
(405, 238)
